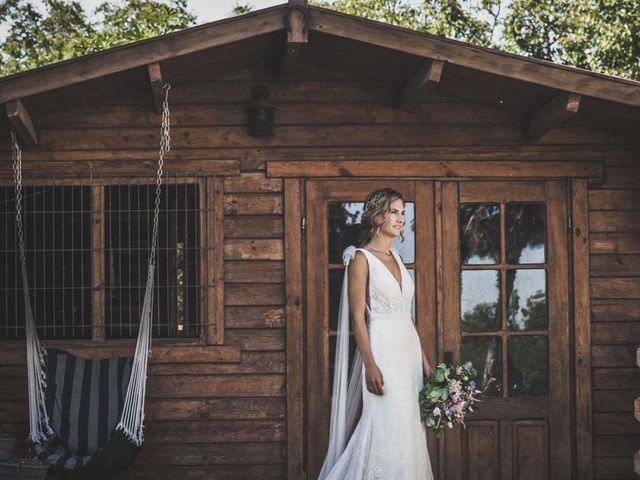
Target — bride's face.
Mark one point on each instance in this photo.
(395, 221)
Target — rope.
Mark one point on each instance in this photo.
(39, 426)
(132, 418)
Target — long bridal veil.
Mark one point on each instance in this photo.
(347, 387)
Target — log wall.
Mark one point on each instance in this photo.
(614, 228)
(227, 419)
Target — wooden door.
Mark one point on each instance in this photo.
(331, 207)
(505, 308)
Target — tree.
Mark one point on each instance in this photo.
(599, 35)
(241, 8)
(65, 31)
(470, 21)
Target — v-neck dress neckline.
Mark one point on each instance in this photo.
(399, 283)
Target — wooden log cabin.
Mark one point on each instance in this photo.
(522, 185)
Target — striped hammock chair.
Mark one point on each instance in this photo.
(86, 416)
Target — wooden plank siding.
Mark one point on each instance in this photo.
(614, 232)
(227, 418)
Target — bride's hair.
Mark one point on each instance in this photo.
(377, 208)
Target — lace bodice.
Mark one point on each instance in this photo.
(385, 293)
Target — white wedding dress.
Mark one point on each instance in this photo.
(389, 441)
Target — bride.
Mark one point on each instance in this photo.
(389, 441)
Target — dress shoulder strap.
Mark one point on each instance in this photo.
(366, 305)
(365, 251)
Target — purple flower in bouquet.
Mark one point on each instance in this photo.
(448, 395)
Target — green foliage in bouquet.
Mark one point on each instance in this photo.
(448, 394)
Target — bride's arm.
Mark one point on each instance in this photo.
(358, 271)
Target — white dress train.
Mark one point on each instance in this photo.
(389, 441)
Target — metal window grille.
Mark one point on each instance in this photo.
(128, 225)
(58, 233)
(57, 223)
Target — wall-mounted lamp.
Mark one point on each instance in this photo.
(260, 113)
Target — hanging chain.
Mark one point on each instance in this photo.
(16, 155)
(165, 146)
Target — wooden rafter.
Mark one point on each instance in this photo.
(426, 78)
(21, 122)
(553, 114)
(297, 36)
(155, 77)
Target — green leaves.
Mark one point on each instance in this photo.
(65, 31)
(459, 19)
(599, 35)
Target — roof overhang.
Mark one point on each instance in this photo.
(273, 19)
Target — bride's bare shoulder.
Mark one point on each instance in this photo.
(359, 262)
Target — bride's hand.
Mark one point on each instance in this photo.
(374, 379)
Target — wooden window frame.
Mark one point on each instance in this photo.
(210, 258)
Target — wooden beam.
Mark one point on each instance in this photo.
(126, 167)
(297, 36)
(141, 53)
(553, 114)
(295, 327)
(582, 327)
(488, 60)
(435, 169)
(157, 84)
(215, 282)
(97, 263)
(21, 122)
(425, 79)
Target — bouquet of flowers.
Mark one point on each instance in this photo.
(448, 394)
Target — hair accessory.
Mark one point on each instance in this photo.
(373, 203)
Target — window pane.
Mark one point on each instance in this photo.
(129, 224)
(344, 222)
(57, 235)
(485, 353)
(480, 300)
(528, 365)
(479, 234)
(525, 232)
(527, 307)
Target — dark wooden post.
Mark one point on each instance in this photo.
(297, 35)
